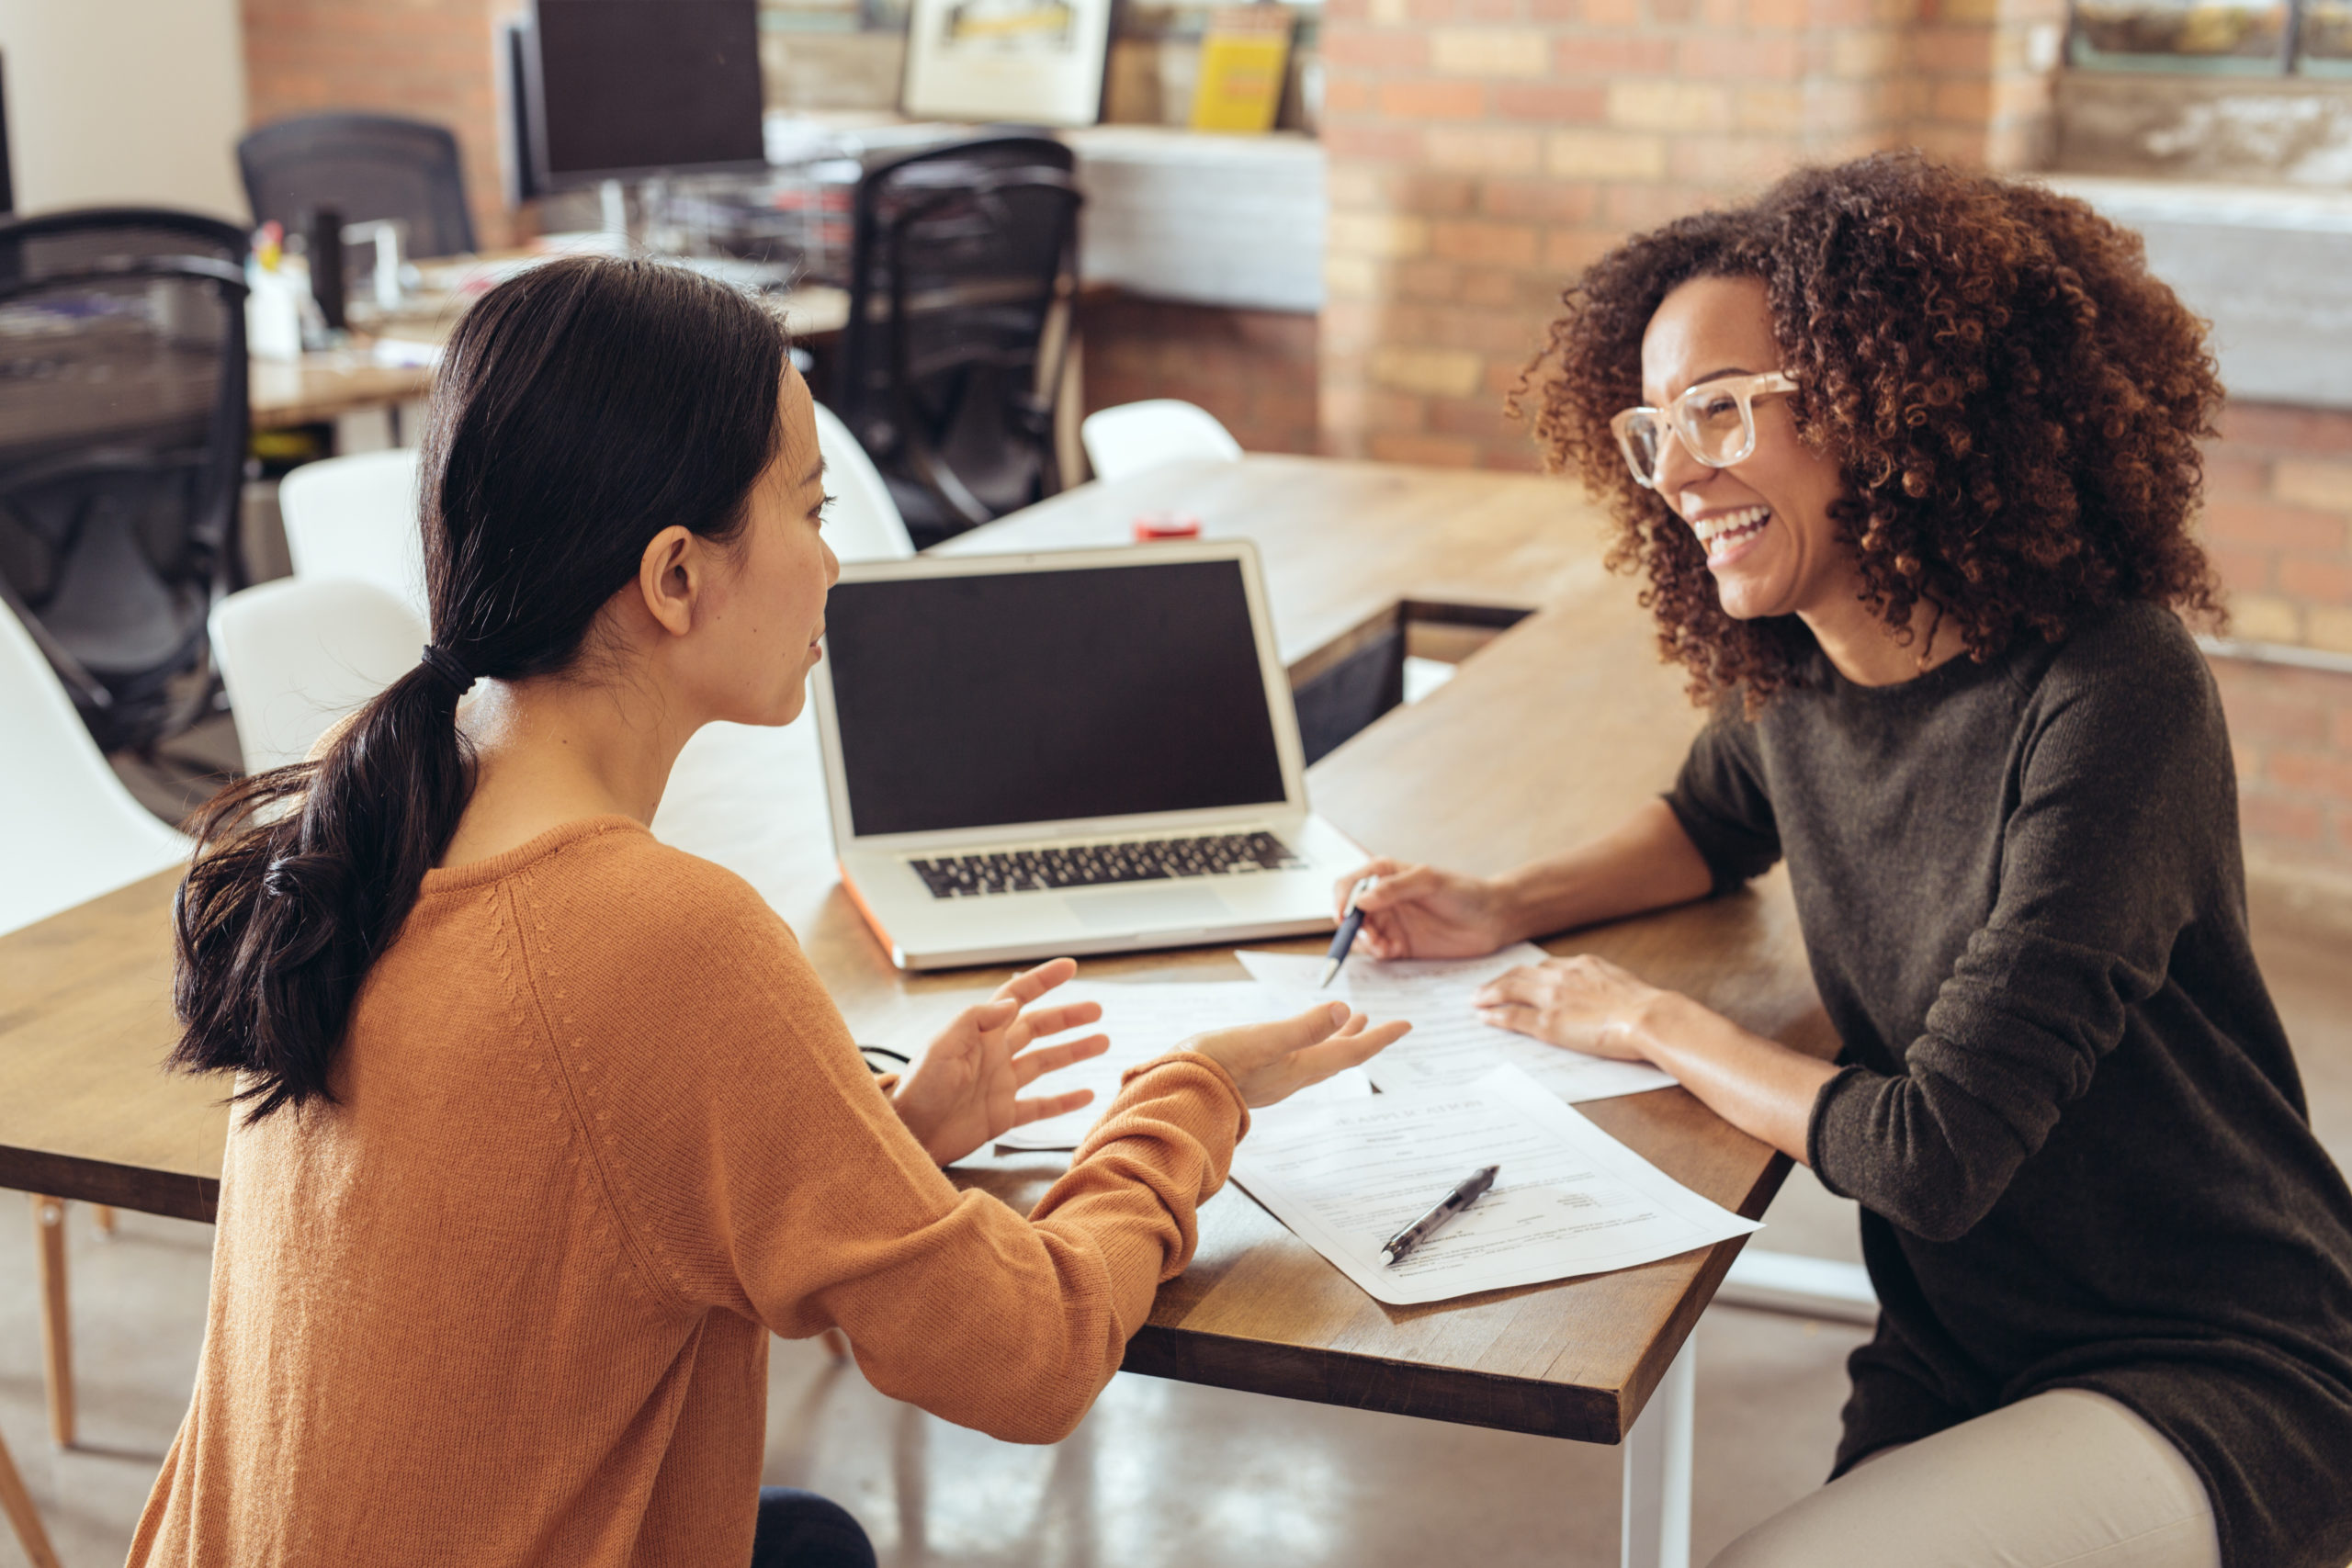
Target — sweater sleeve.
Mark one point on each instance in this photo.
(2125, 800)
(754, 1165)
(1722, 802)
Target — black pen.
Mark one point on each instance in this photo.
(1421, 1230)
(1350, 922)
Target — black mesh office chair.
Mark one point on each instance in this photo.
(122, 444)
(365, 166)
(958, 257)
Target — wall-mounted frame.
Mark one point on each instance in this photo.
(1038, 61)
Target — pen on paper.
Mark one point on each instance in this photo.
(1401, 1245)
(1350, 922)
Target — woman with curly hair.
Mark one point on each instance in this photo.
(1908, 457)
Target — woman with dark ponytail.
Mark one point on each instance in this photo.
(542, 1127)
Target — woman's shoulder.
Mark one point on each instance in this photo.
(2135, 658)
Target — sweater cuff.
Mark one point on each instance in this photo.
(1215, 1069)
(1819, 1136)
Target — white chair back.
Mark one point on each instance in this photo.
(863, 523)
(1134, 436)
(297, 655)
(69, 830)
(357, 517)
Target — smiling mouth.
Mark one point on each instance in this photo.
(1721, 532)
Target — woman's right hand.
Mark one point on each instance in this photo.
(1271, 1062)
(1419, 912)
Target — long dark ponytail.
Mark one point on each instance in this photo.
(581, 408)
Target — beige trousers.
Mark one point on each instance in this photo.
(2068, 1477)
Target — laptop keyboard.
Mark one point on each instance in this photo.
(1098, 865)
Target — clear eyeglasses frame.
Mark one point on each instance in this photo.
(1715, 421)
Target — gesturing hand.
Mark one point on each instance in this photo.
(1585, 1003)
(1271, 1062)
(965, 1089)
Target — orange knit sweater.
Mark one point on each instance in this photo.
(598, 1131)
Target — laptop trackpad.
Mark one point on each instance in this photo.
(1159, 909)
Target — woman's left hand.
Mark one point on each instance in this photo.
(966, 1090)
(1585, 1003)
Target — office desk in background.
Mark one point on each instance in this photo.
(320, 387)
(1553, 732)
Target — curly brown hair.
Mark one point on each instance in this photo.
(2014, 403)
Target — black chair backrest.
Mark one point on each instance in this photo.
(365, 166)
(123, 423)
(958, 255)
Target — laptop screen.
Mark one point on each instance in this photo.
(1038, 696)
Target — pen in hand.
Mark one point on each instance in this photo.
(1428, 1225)
(1350, 922)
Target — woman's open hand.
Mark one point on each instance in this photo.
(1271, 1062)
(1418, 912)
(1585, 1003)
(966, 1090)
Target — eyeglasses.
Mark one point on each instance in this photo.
(1715, 421)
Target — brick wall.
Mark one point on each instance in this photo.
(1254, 370)
(432, 59)
(2278, 523)
(1483, 151)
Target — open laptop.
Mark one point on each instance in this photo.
(1083, 751)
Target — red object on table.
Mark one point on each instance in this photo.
(1153, 525)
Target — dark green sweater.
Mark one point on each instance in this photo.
(2066, 1105)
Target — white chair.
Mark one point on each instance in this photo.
(357, 517)
(863, 523)
(1134, 436)
(69, 830)
(297, 655)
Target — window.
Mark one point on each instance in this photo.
(2238, 38)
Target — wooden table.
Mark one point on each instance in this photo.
(1556, 729)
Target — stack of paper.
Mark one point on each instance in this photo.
(1570, 1199)
(1449, 1044)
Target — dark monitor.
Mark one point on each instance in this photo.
(628, 89)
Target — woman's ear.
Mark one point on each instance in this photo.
(670, 579)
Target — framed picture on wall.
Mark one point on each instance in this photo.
(1035, 61)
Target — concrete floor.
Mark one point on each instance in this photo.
(1162, 1472)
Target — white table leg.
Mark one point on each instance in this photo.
(1657, 1472)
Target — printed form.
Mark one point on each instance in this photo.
(1571, 1199)
(1149, 1019)
(1450, 1045)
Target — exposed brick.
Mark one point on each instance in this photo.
(2270, 522)
(1604, 155)
(2267, 816)
(2265, 618)
(2311, 773)
(2235, 473)
(2276, 717)
(1433, 100)
(2243, 570)
(1550, 200)
(1436, 451)
(1431, 372)
(1589, 56)
(2324, 582)
(2328, 626)
(2327, 485)
(1554, 102)
(1483, 148)
(1463, 52)
(1376, 235)
(1502, 244)
(1346, 50)
(1743, 55)
(1670, 105)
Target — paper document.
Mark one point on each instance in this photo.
(1571, 1199)
(1148, 1019)
(1449, 1044)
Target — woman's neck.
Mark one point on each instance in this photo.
(1862, 646)
(550, 750)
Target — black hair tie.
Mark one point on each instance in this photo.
(458, 679)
